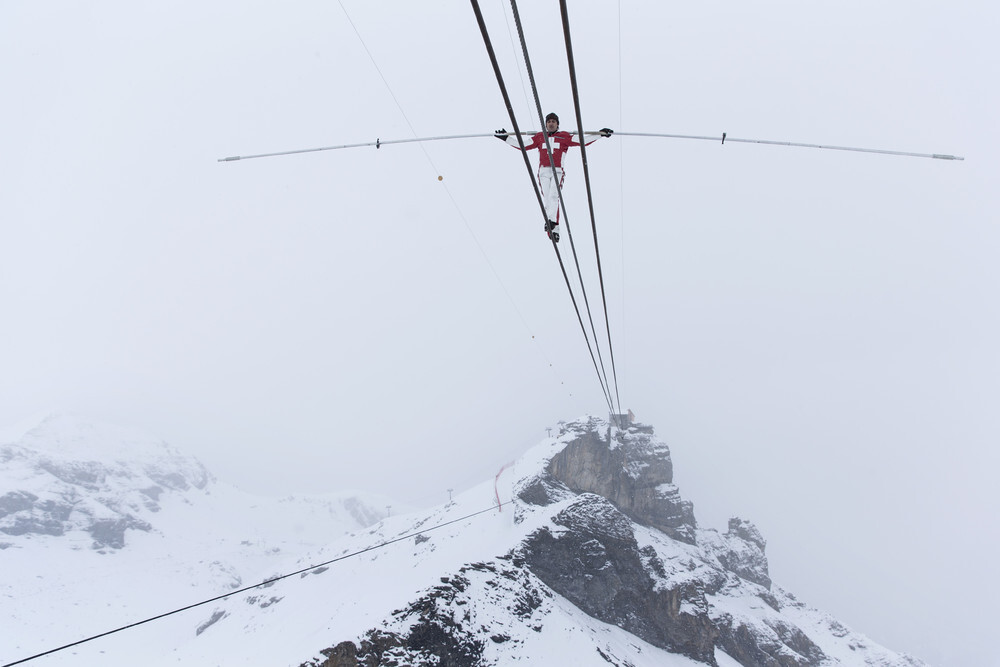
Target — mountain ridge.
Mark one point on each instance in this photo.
(559, 575)
(593, 557)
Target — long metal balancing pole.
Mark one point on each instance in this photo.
(378, 143)
(724, 139)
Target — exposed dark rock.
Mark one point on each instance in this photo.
(435, 638)
(55, 510)
(746, 531)
(772, 644)
(16, 501)
(431, 636)
(596, 564)
(111, 532)
(437, 628)
(536, 492)
(263, 602)
(543, 490)
(171, 480)
(23, 525)
(740, 551)
(344, 654)
(652, 561)
(770, 600)
(217, 616)
(744, 553)
(795, 639)
(635, 474)
(88, 474)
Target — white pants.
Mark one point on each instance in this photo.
(550, 194)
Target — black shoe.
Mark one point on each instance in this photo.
(555, 234)
(549, 225)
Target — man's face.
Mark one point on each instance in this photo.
(551, 125)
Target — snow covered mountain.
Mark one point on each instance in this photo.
(100, 526)
(592, 558)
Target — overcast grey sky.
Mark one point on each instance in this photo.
(812, 332)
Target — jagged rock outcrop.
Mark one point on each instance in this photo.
(607, 532)
(596, 563)
(771, 643)
(741, 551)
(632, 469)
(445, 625)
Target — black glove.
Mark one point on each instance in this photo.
(606, 132)
(501, 135)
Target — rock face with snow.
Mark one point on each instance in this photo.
(100, 526)
(635, 475)
(605, 532)
(101, 480)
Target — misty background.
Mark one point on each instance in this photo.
(812, 332)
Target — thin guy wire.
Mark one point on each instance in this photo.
(513, 48)
(621, 195)
(387, 86)
(447, 190)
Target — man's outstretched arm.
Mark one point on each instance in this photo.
(511, 140)
(603, 132)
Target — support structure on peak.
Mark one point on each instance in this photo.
(625, 419)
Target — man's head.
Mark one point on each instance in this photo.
(552, 122)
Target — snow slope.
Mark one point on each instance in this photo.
(101, 526)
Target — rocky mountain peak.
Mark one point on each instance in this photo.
(598, 527)
(629, 467)
(746, 531)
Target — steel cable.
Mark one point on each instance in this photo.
(538, 195)
(590, 194)
(606, 387)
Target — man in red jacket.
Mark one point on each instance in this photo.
(549, 182)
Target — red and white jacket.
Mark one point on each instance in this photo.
(561, 142)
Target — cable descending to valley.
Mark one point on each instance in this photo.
(262, 584)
